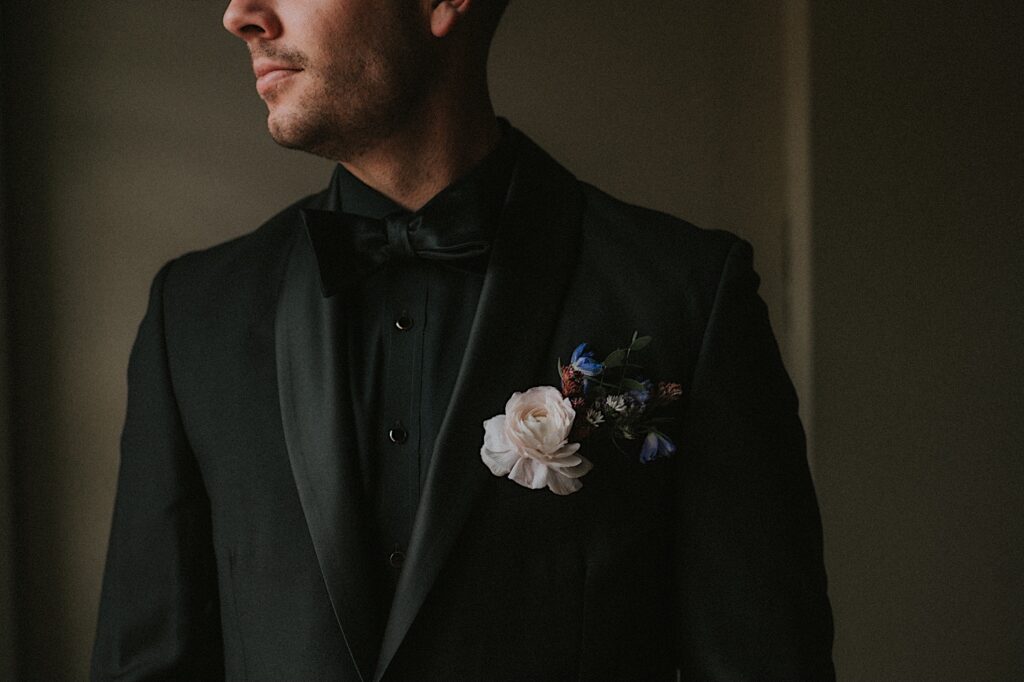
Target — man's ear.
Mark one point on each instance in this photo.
(445, 14)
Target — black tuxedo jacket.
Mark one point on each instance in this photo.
(240, 548)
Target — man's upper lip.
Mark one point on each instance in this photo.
(262, 68)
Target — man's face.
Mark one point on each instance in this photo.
(338, 76)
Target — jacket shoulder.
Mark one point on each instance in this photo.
(245, 253)
(243, 266)
(645, 238)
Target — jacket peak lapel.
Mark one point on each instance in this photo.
(531, 263)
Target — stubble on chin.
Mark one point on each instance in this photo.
(307, 125)
(325, 122)
(342, 114)
(343, 117)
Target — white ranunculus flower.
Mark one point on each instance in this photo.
(530, 442)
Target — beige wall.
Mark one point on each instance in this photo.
(136, 135)
(919, 325)
(7, 619)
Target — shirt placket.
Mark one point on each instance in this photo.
(400, 427)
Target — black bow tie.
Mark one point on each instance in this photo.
(349, 247)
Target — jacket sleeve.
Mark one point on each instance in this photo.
(751, 587)
(158, 616)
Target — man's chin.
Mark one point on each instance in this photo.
(318, 131)
(284, 128)
(294, 131)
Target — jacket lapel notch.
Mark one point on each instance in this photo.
(532, 261)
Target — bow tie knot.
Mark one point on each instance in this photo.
(399, 243)
(349, 247)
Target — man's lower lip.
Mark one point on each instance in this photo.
(268, 80)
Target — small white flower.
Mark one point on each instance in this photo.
(617, 403)
(595, 417)
(529, 443)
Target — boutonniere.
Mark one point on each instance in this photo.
(536, 441)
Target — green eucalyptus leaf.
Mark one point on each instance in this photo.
(640, 343)
(614, 358)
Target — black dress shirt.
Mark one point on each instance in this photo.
(407, 328)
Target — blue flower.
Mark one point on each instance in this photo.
(583, 361)
(656, 445)
(642, 395)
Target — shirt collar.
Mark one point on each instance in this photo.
(474, 199)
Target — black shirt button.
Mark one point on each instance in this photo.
(396, 558)
(403, 323)
(398, 434)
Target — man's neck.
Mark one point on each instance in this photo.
(423, 158)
